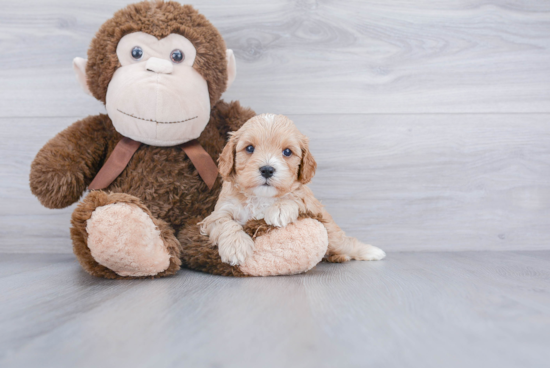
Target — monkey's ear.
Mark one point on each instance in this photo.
(79, 67)
(231, 67)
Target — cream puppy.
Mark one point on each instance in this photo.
(265, 166)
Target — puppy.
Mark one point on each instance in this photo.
(265, 167)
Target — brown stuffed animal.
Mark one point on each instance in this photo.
(160, 68)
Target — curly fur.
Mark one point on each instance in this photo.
(169, 186)
(159, 19)
(297, 248)
(278, 198)
(161, 181)
(80, 237)
(198, 252)
(257, 228)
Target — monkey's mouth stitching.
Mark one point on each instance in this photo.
(154, 121)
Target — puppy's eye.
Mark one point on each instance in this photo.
(250, 149)
(137, 52)
(287, 152)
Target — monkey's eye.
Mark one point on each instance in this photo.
(137, 52)
(287, 152)
(250, 149)
(177, 56)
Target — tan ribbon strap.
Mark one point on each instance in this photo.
(115, 164)
(125, 149)
(202, 161)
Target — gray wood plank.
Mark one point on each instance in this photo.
(436, 182)
(467, 309)
(401, 182)
(311, 56)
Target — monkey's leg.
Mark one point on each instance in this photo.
(199, 254)
(279, 251)
(115, 236)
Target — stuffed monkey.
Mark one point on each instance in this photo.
(160, 68)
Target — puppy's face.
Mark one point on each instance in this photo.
(267, 157)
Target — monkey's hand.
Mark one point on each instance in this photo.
(65, 166)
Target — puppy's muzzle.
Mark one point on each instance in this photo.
(267, 171)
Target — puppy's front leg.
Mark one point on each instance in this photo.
(282, 213)
(234, 245)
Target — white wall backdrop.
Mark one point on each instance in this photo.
(430, 120)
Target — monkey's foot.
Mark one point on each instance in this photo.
(116, 236)
(123, 238)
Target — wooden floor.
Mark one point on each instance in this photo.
(416, 309)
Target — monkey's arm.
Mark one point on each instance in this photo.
(65, 166)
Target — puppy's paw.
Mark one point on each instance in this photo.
(235, 248)
(337, 258)
(367, 252)
(281, 213)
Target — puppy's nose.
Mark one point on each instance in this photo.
(267, 171)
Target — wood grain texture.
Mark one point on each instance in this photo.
(400, 182)
(311, 56)
(467, 309)
(428, 182)
(440, 180)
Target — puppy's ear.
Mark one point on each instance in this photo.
(227, 158)
(307, 168)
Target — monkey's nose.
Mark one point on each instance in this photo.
(158, 65)
(267, 171)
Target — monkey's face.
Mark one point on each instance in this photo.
(158, 66)
(156, 96)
